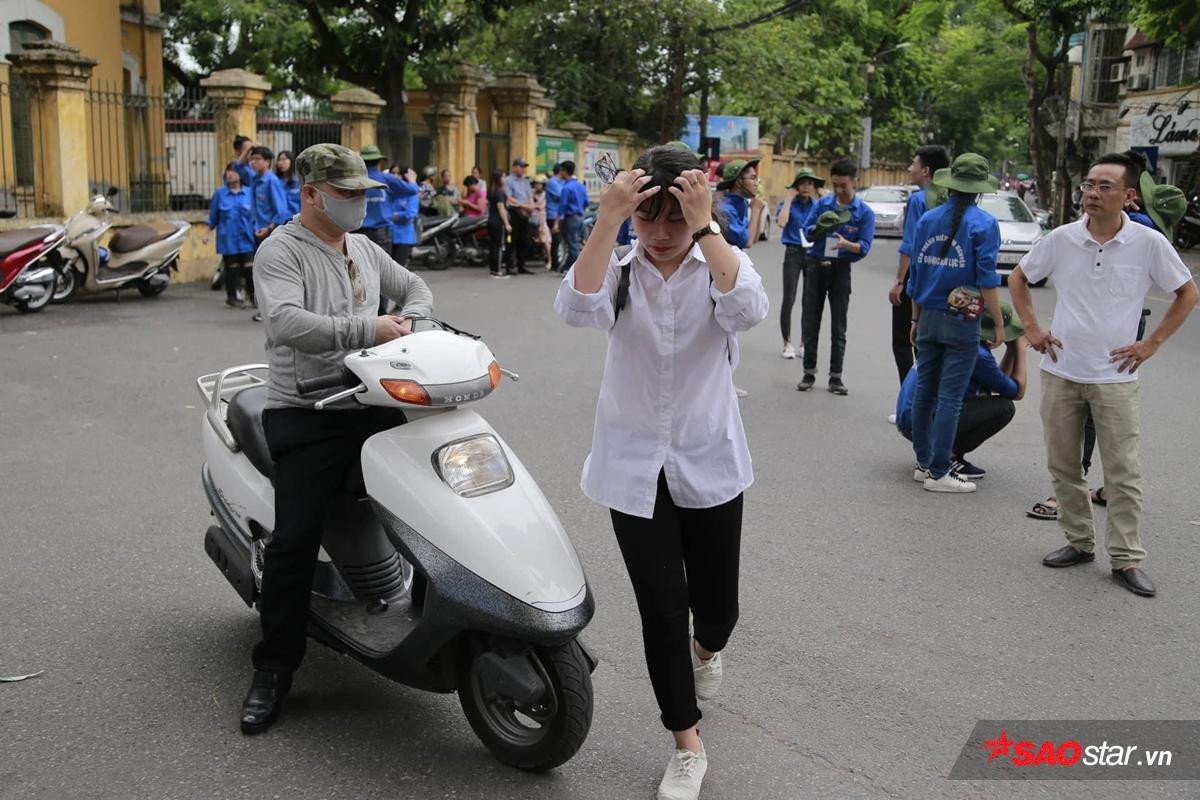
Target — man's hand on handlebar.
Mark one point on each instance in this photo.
(388, 327)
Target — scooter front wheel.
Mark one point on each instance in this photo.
(538, 735)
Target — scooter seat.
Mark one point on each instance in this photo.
(244, 418)
(12, 241)
(136, 237)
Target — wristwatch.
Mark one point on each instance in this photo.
(711, 227)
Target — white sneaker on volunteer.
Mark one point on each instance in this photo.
(949, 483)
(683, 777)
(707, 675)
(892, 418)
(788, 350)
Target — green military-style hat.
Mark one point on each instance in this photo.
(1166, 204)
(336, 165)
(371, 153)
(830, 220)
(733, 170)
(970, 174)
(806, 174)
(1013, 328)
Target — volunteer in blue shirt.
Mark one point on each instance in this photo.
(952, 276)
(553, 200)
(927, 160)
(792, 215)
(270, 206)
(741, 205)
(572, 204)
(403, 209)
(286, 171)
(231, 215)
(989, 404)
(377, 224)
(841, 228)
(242, 145)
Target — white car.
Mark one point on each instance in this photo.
(888, 203)
(1019, 228)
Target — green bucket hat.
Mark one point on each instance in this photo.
(371, 153)
(1013, 328)
(969, 174)
(336, 165)
(733, 170)
(830, 220)
(806, 174)
(1166, 204)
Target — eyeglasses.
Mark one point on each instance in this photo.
(356, 281)
(1102, 188)
(606, 169)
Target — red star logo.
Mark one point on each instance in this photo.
(998, 747)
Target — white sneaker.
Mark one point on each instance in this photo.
(740, 392)
(683, 777)
(788, 350)
(707, 675)
(920, 474)
(892, 418)
(948, 483)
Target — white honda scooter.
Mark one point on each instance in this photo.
(448, 570)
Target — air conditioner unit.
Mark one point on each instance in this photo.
(1116, 72)
(1139, 81)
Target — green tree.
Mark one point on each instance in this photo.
(1175, 22)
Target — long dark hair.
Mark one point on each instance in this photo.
(287, 176)
(962, 201)
(496, 184)
(664, 164)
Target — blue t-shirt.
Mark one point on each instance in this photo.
(626, 234)
(913, 211)
(231, 215)
(574, 198)
(270, 201)
(859, 228)
(1142, 218)
(246, 172)
(986, 378)
(736, 209)
(405, 208)
(971, 260)
(554, 188)
(291, 190)
(797, 218)
(381, 199)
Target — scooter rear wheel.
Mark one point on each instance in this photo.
(540, 736)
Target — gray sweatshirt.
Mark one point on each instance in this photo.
(315, 314)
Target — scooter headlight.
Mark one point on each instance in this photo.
(474, 467)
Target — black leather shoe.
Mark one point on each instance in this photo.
(264, 701)
(1067, 556)
(1135, 581)
(806, 383)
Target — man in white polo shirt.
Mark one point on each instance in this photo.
(1102, 265)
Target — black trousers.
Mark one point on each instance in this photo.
(793, 268)
(496, 235)
(516, 255)
(683, 558)
(902, 349)
(982, 417)
(234, 266)
(316, 456)
(825, 278)
(555, 244)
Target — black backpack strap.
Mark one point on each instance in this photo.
(623, 284)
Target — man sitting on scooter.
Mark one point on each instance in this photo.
(318, 289)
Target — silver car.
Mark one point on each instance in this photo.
(888, 203)
(1019, 229)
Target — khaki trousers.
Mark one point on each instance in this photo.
(1114, 409)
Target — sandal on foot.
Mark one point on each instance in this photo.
(1043, 510)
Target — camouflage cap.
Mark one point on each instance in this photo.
(336, 165)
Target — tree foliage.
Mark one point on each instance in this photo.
(1175, 22)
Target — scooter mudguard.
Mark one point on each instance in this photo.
(510, 538)
(245, 491)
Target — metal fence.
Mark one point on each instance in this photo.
(155, 149)
(19, 155)
(292, 124)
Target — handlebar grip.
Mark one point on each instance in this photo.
(334, 380)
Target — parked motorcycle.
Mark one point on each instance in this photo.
(435, 242)
(141, 256)
(470, 244)
(1187, 235)
(29, 265)
(447, 568)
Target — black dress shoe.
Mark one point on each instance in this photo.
(264, 701)
(837, 387)
(1135, 581)
(1067, 556)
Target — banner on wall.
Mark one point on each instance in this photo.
(552, 150)
(737, 134)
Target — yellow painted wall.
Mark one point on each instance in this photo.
(94, 26)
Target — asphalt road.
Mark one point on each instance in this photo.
(879, 622)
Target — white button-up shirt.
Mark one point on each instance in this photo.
(666, 400)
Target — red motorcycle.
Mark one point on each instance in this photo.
(29, 265)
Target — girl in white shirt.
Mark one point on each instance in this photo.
(669, 455)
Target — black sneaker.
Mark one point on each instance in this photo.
(235, 302)
(837, 387)
(966, 469)
(806, 383)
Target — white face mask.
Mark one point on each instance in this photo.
(346, 213)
